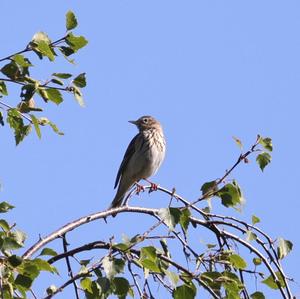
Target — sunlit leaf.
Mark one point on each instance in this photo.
(263, 160)
(270, 282)
(71, 21)
(284, 247)
(237, 261)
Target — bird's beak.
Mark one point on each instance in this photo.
(133, 122)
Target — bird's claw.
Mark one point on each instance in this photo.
(153, 187)
(139, 188)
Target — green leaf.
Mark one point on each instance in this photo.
(57, 81)
(150, 265)
(284, 247)
(24, 282)
(62, 75)
(270, 282)
(21, 60)
(263, 160)
(208, 188)
(5, 207)
(86, 284)
(184, 292)
(184, 219)
(3, 88)
(48, 251)
(4, 225)
(257, 261)
(80, 80)
(44, 48)
(36, 125)
(257, 295)
(67, 51)
(230, 195)
(51, 94)
(237, 261)
(121, 286)
(11, 70)
(171, 216)
(15, 260)
(71, 21)
(43, 265)
(27, 92)
(76, 42)
(173, 277)
(45, 121)
(112, 266)
(266, 143)
(255, 219)
(251, 236)
(148, 252)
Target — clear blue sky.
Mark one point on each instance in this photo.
(208, 70)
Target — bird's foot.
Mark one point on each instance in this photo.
(139, 188)
(153, 186)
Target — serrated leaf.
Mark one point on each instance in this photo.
(5, 207)
(266, 143)
(62, 75)
(209, 187)
(80, 80)
(120, 286)
(270, 282)
(237, 261)
(284, 247)
(257, 295)
(86, 284)
(36, 125)
(173, 277)
(184, 292)
(184, 219)
(21, 60)
(255, 219)
(112, 266)
(263, 160)
(48, 251)
(230, 195)
(250, 236)
(171, 216)
(71, 21)
(76, 42)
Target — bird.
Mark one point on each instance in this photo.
(143, 157)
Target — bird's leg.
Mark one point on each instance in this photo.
(139, 188)
(153, 186)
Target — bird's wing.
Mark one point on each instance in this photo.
(127, 156)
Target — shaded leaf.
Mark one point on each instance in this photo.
(80, 80)
(230, 195)
(257, 295)
(5, 207)
(62, 75)
(57, 81)
(184, 219)
(120, 286)
(263, 160)
(24, 282)
(11, 70)
(112, 266)
(284, 247)
(15, 260)
(3, 89)
(76, 42)
(209, 187)
(184, 292)
(71, 21)
(266, 143)
(1, 119)
(4, 225)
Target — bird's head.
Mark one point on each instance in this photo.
(146, 122)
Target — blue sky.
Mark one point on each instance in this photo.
(208, 70)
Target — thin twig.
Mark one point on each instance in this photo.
(65, 246)
(134, 278)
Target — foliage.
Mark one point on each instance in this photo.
(17, 68)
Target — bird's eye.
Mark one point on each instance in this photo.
(145, 120)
